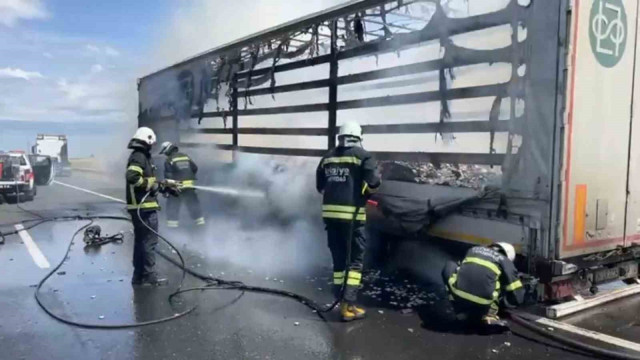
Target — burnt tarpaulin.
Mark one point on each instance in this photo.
(411, 207)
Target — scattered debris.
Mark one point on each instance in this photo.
(410, 330)
(507, 343)
(494, 351)
(406, 311)
(380, 311)
(296, 323)
(101, 317)
(550, 329)
(61, 273)
(93, 296)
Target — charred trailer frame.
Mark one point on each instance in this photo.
(528, 211)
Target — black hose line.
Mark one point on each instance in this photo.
(95, 325)
(592, 349)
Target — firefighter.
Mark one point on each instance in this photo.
(485, 279)
(179, 168)
(346, 176)
(140, 177)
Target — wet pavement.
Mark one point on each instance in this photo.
(409, 317)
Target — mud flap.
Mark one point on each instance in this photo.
(42, 169)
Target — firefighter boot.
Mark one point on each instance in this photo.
(351, 312)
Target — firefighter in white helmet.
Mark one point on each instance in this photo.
(140, 180)
(346, 176)
(484, 280)
(180, 168)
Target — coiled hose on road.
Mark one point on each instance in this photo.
(212, 282)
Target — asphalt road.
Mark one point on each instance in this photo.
(93, 286)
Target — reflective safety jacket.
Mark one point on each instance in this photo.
(180, 167)
(346, 176)
(485, 275)
(140, 177)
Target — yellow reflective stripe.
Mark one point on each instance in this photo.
(187, 183)
(181, 158)
(150, 182)
(338, 278)
(135, 168)
(199, 221)
(365, 187)
(514, 285)
(488, 264)
(466, 295)
(146, 205)
(354, 278)
(343, 208)
(342, 160)
(343, 216)
(355, 275)
(172, 223)
(139, 182)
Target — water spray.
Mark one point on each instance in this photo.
(232, 191)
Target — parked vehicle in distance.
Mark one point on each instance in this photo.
(21, 173)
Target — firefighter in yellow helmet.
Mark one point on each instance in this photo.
(486, 279)
(346, 176)
(179, 168)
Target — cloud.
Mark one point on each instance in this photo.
(93, 48)
(97, 68)
(72, 91)
(106, 50)
(111, 51)
(11, 11)
(11, 73)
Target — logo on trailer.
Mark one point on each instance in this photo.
(608, 31)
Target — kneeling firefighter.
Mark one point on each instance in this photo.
(346, 176)
(141, 179)
(179, 168)
(486, 279)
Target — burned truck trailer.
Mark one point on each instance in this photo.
(530, 99)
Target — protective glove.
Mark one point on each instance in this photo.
(169, 187)
(155, 188)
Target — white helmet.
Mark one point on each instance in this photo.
(166, 147)
(146, 135)
(508, 249)
(351, 128)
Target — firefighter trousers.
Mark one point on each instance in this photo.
(144, 255)
(190, 199)
(338, 240)
(471, 311)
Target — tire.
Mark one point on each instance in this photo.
(30, 195)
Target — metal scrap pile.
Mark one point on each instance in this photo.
(470, 176)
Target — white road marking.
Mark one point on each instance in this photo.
(34, 250)
(590, 334)
(90, 192)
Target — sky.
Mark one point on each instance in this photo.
(76, 61)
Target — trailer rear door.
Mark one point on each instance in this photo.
(598, 119)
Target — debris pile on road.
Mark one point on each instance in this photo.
(400, 295)
(458, 175)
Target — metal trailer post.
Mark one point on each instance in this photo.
(333, 86)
